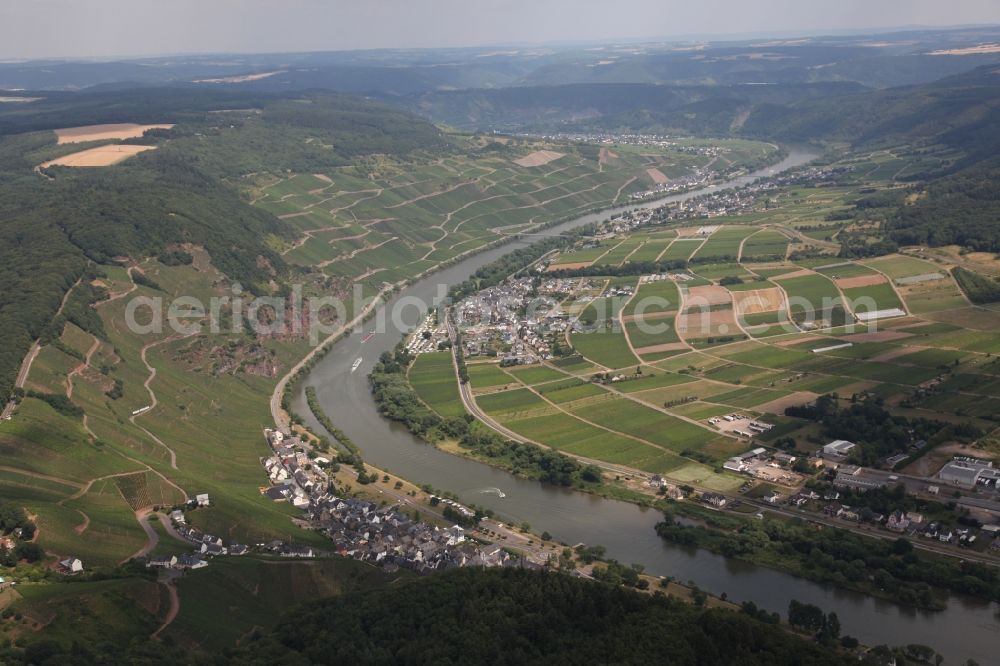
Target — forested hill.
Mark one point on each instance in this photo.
(960, 111)
(962, 209)
(57, 226)
(361, 126)
(470, 616)
(705, 109)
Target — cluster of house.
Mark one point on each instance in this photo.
(366, 531)
(294, 476)
(383, 535)
(511, 319)
(628, 139)
(205, 545)
(743, 199)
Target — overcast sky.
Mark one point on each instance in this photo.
(88, 28)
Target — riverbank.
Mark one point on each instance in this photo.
(965, 629)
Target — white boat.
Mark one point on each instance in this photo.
(356, 364)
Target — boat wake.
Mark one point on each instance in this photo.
(493, 491)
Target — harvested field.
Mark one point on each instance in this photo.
(104, 132)
(778, 405)
(800, 340)
(240, 78)
(759, 300)
(707, 295)
(97, 157)
(657, 176)
(877, 336)
(707, 324)
(803, 272)
(917, 279)
(981, 49)
(568, 267)
(538, 158)
(859, 281)
(895, 353)
(668, 346)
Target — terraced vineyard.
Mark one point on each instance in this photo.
(399, 220)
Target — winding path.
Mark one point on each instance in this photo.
(172, 611)
(152, 394)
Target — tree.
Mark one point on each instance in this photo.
(807, 617)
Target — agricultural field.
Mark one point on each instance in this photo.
(764, 245)
(411, 216)
(755, 335)
(724, 243)
(433, 377)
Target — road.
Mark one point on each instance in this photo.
(465, 392)
(921, 544)
(22, 375)
(152, 537)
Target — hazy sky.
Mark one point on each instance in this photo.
(84, 28)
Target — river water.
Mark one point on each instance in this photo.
(968, 628)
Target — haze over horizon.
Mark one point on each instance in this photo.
(124, 28)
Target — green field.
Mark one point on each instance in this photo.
(433, 377)
(607, 347)
(810, 296)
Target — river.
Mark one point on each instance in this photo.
(966, 629)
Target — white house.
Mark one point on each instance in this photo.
(202, 499)
(71, 565)
(162, 562)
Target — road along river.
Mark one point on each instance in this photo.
(968, 628)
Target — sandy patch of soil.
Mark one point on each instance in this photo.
(604, 155)
(323, 177)
(779, 405)
(802, 272)
(708, 294)
(568, 267)
(104, 132)
(538, 158)
(929, 463)
(706, 324)
(859, 281)
(97, 157)
(759, 300)
(657, 176)
(789, 342)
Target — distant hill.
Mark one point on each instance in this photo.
(612, 106)
(961, 111)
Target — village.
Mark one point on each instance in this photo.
(516, 320)
(363, 530)
(721, 203)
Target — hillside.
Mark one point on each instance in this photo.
(521, 617)
(959, 111)
(55, 225)
(699, 109)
